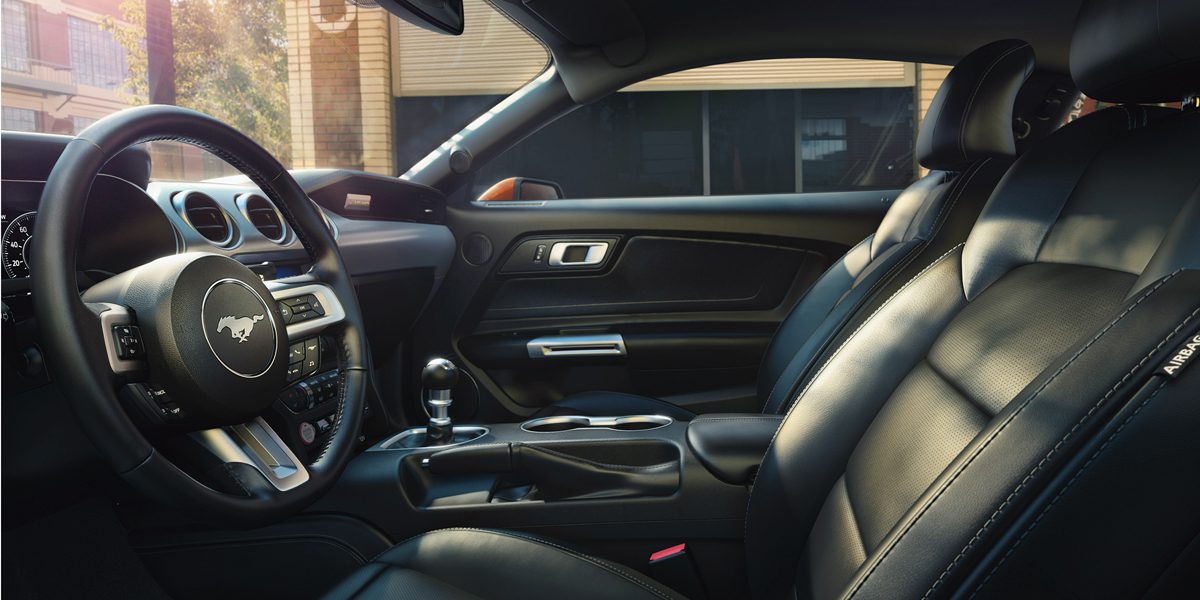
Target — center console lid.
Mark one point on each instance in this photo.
(731, 446)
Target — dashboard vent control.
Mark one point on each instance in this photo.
(206, 217)
(263, 215)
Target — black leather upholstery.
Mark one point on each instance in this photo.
(1001, 427)
(731, 446)
(1137, 51)
(614, 403)
(951, 407)
(972, 110)
(469, 564)
(968, 130)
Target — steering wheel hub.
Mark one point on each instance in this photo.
(214, 341)
(240, 328)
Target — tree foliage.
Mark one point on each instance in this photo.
(230, 62)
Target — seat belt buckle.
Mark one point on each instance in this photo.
(675, 568)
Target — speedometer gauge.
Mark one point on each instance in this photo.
(16, 249)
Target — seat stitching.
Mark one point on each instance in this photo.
(954, 194)
(1053, 450)
(767, 401)
(962, 123)
(1004, 425)
(796, 402)
(1079, 473)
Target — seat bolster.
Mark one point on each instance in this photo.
(610, 404)
(483, 563)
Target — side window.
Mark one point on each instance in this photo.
(759, 127)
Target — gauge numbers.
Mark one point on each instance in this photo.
(17, 234)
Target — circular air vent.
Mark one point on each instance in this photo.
(207, 217)
(263, 215)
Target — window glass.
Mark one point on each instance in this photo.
(96, 57)
(20, 119)
(760, 127)
(319, 83)
(16, 36)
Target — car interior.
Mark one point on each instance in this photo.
(333, 383)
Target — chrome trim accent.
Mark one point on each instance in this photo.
(180, 204)
(391, 443)
(334, 312)
(554, 346)
(596, 251)
(510, 203)
(581, 422)
(111, 316)
(242, 200)
(254, 443)
(270, 316)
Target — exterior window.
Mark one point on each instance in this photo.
(16, 36)
(96, 58)
(80, 123)
(761, 127)
(19, 119)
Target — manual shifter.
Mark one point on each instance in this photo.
(439, 377)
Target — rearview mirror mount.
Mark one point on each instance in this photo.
(438, 16)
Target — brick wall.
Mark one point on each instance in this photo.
(339, 86)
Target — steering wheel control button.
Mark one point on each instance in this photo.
(312, 356)
(308, 433)
(296, 353)
(301, 308)
(295, 372)
(129, 342)
(240, 328)
(285, 311)
(166, 408)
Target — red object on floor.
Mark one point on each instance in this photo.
(668, 552)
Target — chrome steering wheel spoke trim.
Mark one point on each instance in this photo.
(256, 444)
(334, 313)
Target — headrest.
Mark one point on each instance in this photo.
(970, 117)
(1137, 50)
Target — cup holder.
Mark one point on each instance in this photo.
(568, 423)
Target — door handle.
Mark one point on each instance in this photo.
(562, 346)
(577, 254)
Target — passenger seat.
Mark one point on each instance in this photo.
(967, 143)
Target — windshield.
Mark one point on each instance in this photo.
(319, 83)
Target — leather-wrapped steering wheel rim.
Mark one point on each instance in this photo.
(75, 346)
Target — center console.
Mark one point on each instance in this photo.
(624, 486)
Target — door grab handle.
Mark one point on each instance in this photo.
(562, 346)
(594, 253)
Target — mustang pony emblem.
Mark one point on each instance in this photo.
(239, 327)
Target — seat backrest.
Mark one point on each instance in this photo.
(933, 452)
(967, 142)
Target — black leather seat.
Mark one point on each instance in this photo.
(968, 144)
(1019, 420)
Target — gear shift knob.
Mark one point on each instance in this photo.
(439, 374)
(439, 377)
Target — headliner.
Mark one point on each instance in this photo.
(600, 46)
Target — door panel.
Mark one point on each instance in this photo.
(694, 287)
(658, 274)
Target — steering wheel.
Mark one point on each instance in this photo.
(213, 348)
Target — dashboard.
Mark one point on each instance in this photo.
(382, 224)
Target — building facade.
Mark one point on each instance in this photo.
(368, 91)
(50, 84)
